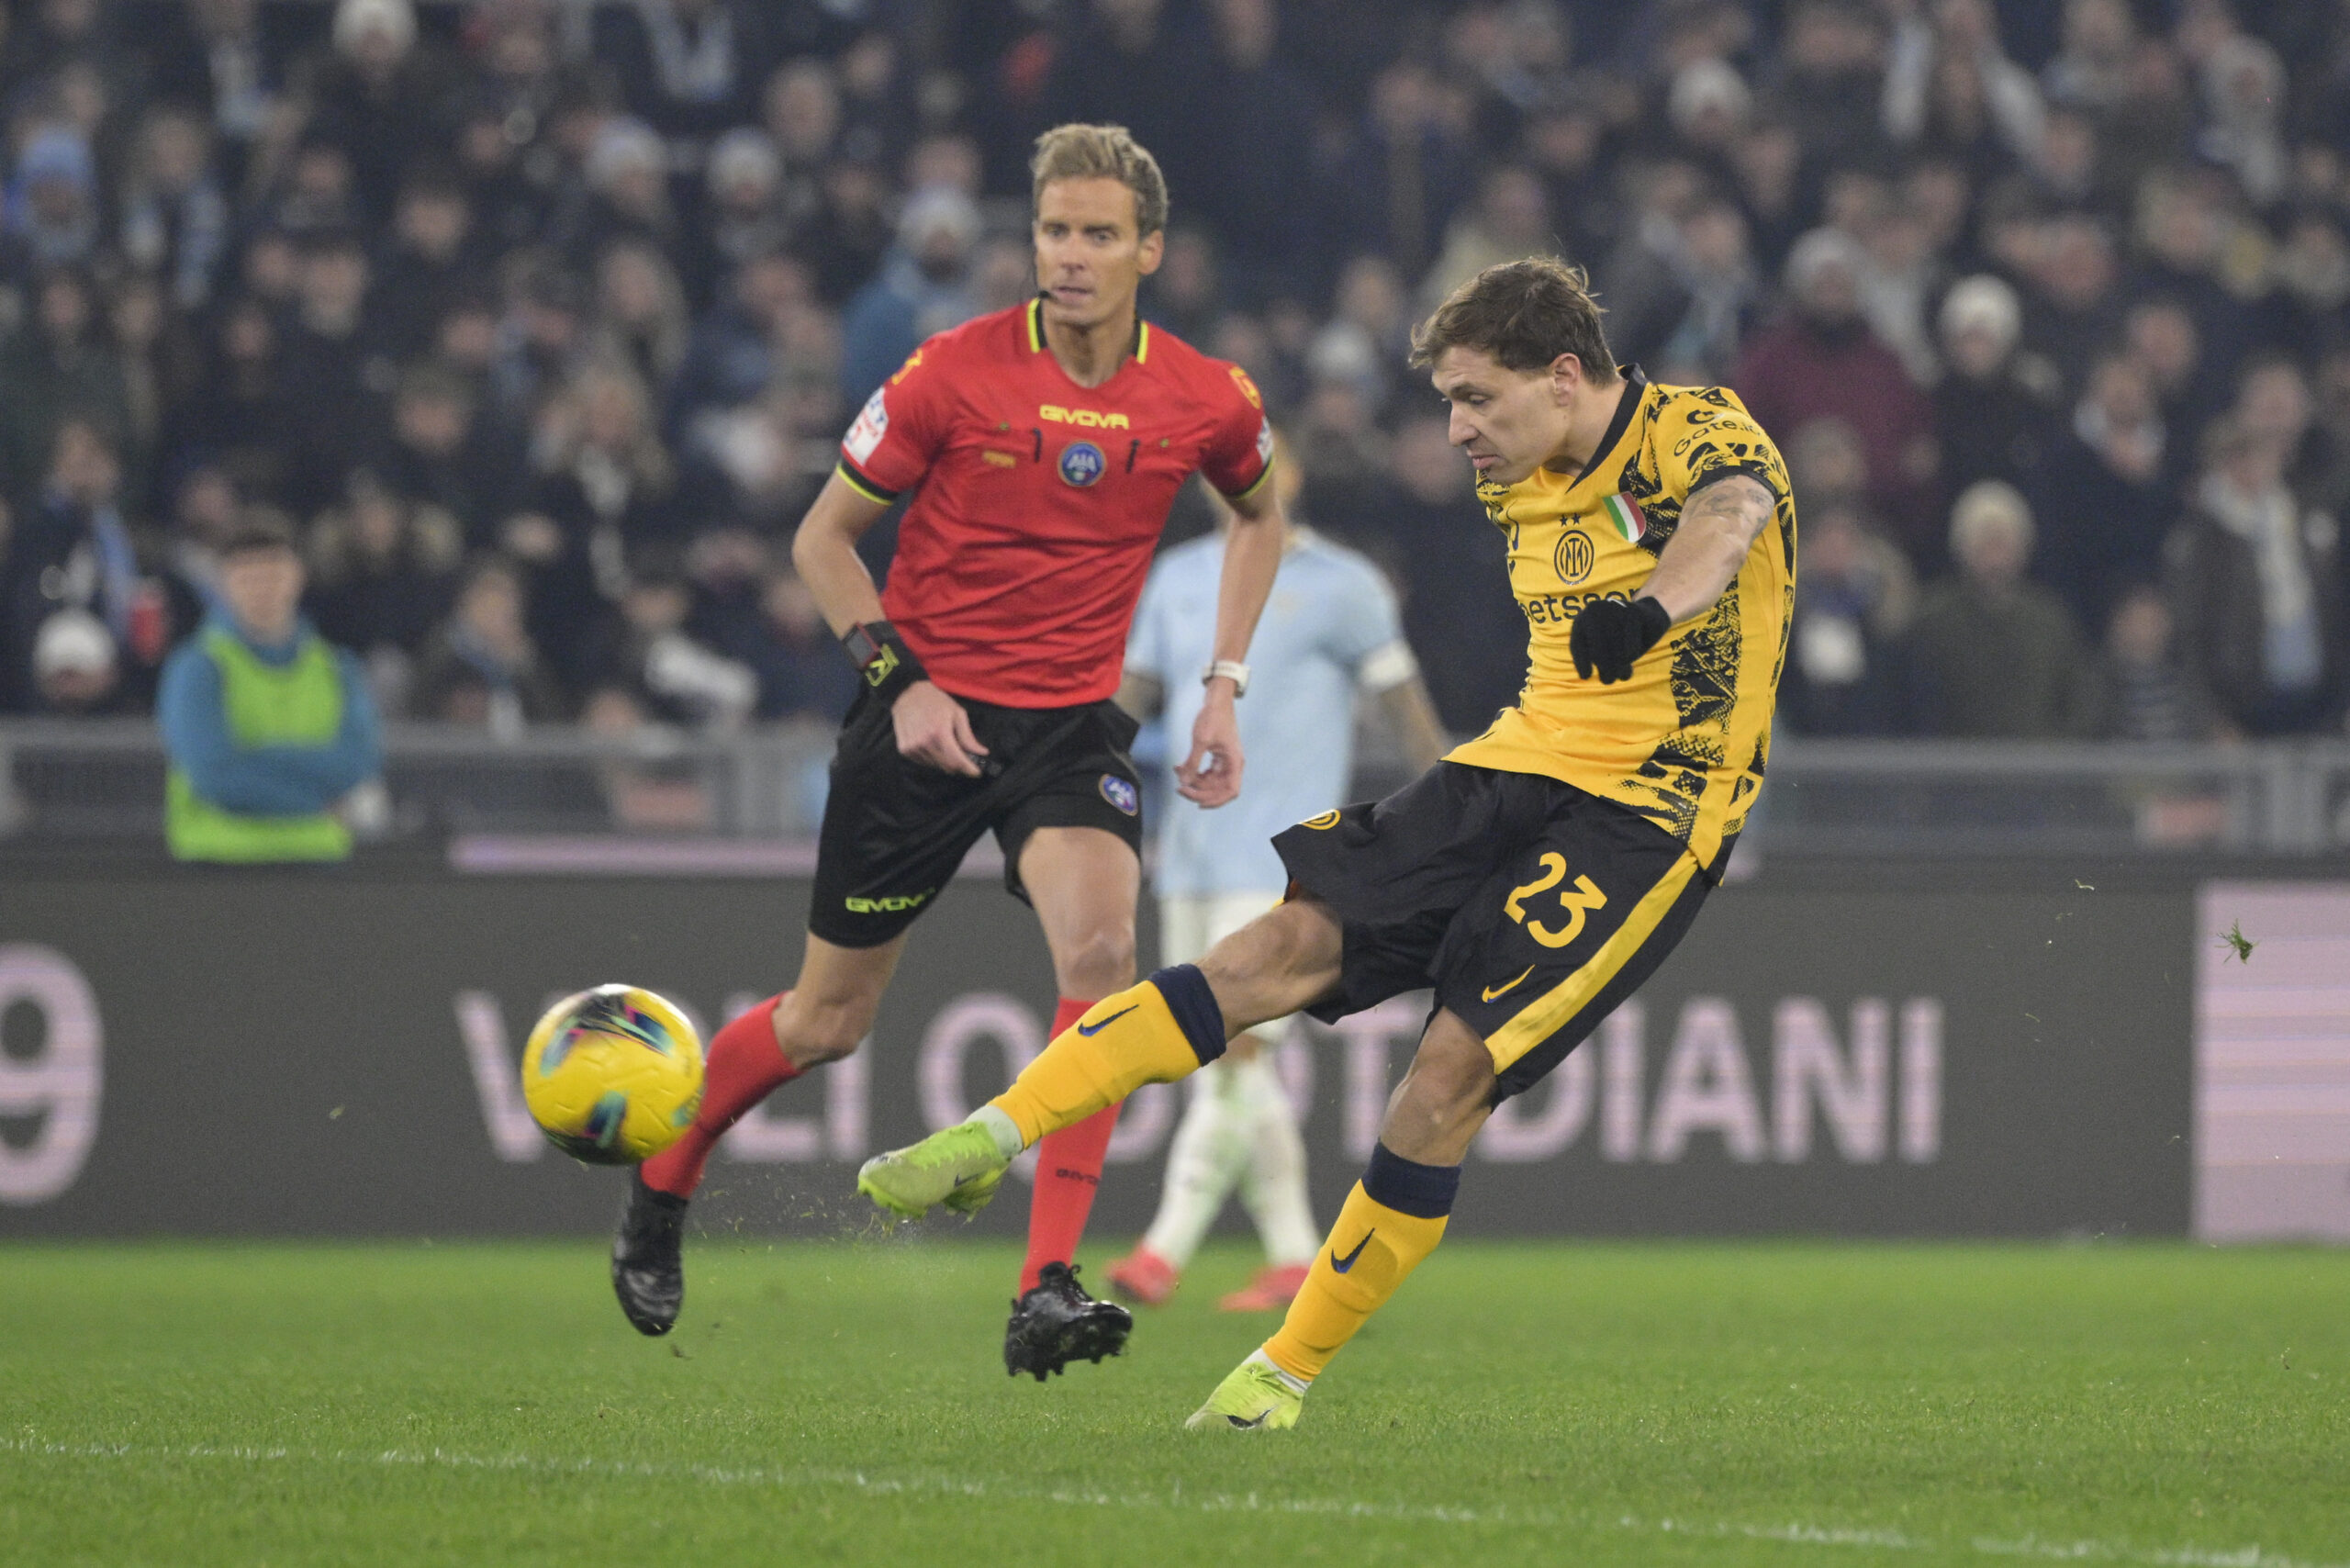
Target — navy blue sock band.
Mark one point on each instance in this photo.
(1424, 1191)
(1195, 1009)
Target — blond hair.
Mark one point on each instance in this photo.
(1103, 153)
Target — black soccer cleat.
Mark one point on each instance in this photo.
(1058, 1323)
(648, 1261)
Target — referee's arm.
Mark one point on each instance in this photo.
(1252, 555)
(932, 727)
(824, 554)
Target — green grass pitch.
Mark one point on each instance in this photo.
(844, 1403)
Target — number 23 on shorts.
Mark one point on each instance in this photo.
(1578, 900)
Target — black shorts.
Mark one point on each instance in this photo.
(1532, 907)
(895, 829)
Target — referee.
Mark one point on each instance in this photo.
(1039, 450)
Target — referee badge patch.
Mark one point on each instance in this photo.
(872, 424)
(1120, 793)
(1082, 463)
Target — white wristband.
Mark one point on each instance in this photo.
(1232, 670)
(1384, 668)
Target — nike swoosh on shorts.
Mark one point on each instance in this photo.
(1492, 992)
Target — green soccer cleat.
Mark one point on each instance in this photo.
(1255, 1398)
(958, 1166)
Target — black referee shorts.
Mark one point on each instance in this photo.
(895, 830)
(1532, 907)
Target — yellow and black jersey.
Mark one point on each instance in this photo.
(1684, 741)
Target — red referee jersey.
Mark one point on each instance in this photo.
(1037, 502)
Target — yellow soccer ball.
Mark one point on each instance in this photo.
(613, 1075)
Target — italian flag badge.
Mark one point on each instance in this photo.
(1625, 514)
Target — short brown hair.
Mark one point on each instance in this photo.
(1525, 314)
(1103, 153)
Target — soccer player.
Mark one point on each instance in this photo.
(1043, 447)
(1540, 873)
(1330, 631)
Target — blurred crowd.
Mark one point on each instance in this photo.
(537, 322)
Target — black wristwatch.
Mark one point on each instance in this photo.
(882, 657)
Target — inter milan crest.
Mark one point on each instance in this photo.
(1082, 463)
(1572, 559)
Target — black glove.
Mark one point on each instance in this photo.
(1608, 637)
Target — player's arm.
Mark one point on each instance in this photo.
(1719, 525)
(1389, 676)
(1411, 715)
(1252, 555)
(930, 725)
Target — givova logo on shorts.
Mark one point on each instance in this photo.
(888, 903)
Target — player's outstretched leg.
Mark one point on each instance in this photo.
(1391, 1220)
(1156, 1032)
(744, 1065)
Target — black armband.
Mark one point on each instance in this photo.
(882, 657)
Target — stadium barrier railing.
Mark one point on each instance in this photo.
(90, 781)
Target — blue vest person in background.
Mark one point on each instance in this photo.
(268, 725)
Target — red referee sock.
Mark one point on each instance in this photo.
(1068, 1172)
(742, 1067)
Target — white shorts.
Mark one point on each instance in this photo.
(1190, 926)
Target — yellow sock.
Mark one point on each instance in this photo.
(1166, 1029)
(1374, 1247)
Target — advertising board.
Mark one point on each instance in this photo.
(334, 1054)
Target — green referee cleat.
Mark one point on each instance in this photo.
(958, 1166)
(1256, 1397)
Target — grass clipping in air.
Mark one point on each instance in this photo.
(843, 1404)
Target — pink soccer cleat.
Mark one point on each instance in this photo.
(1144, 1278)
(1273, 1288)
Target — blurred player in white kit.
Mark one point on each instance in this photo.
(1330, 631)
